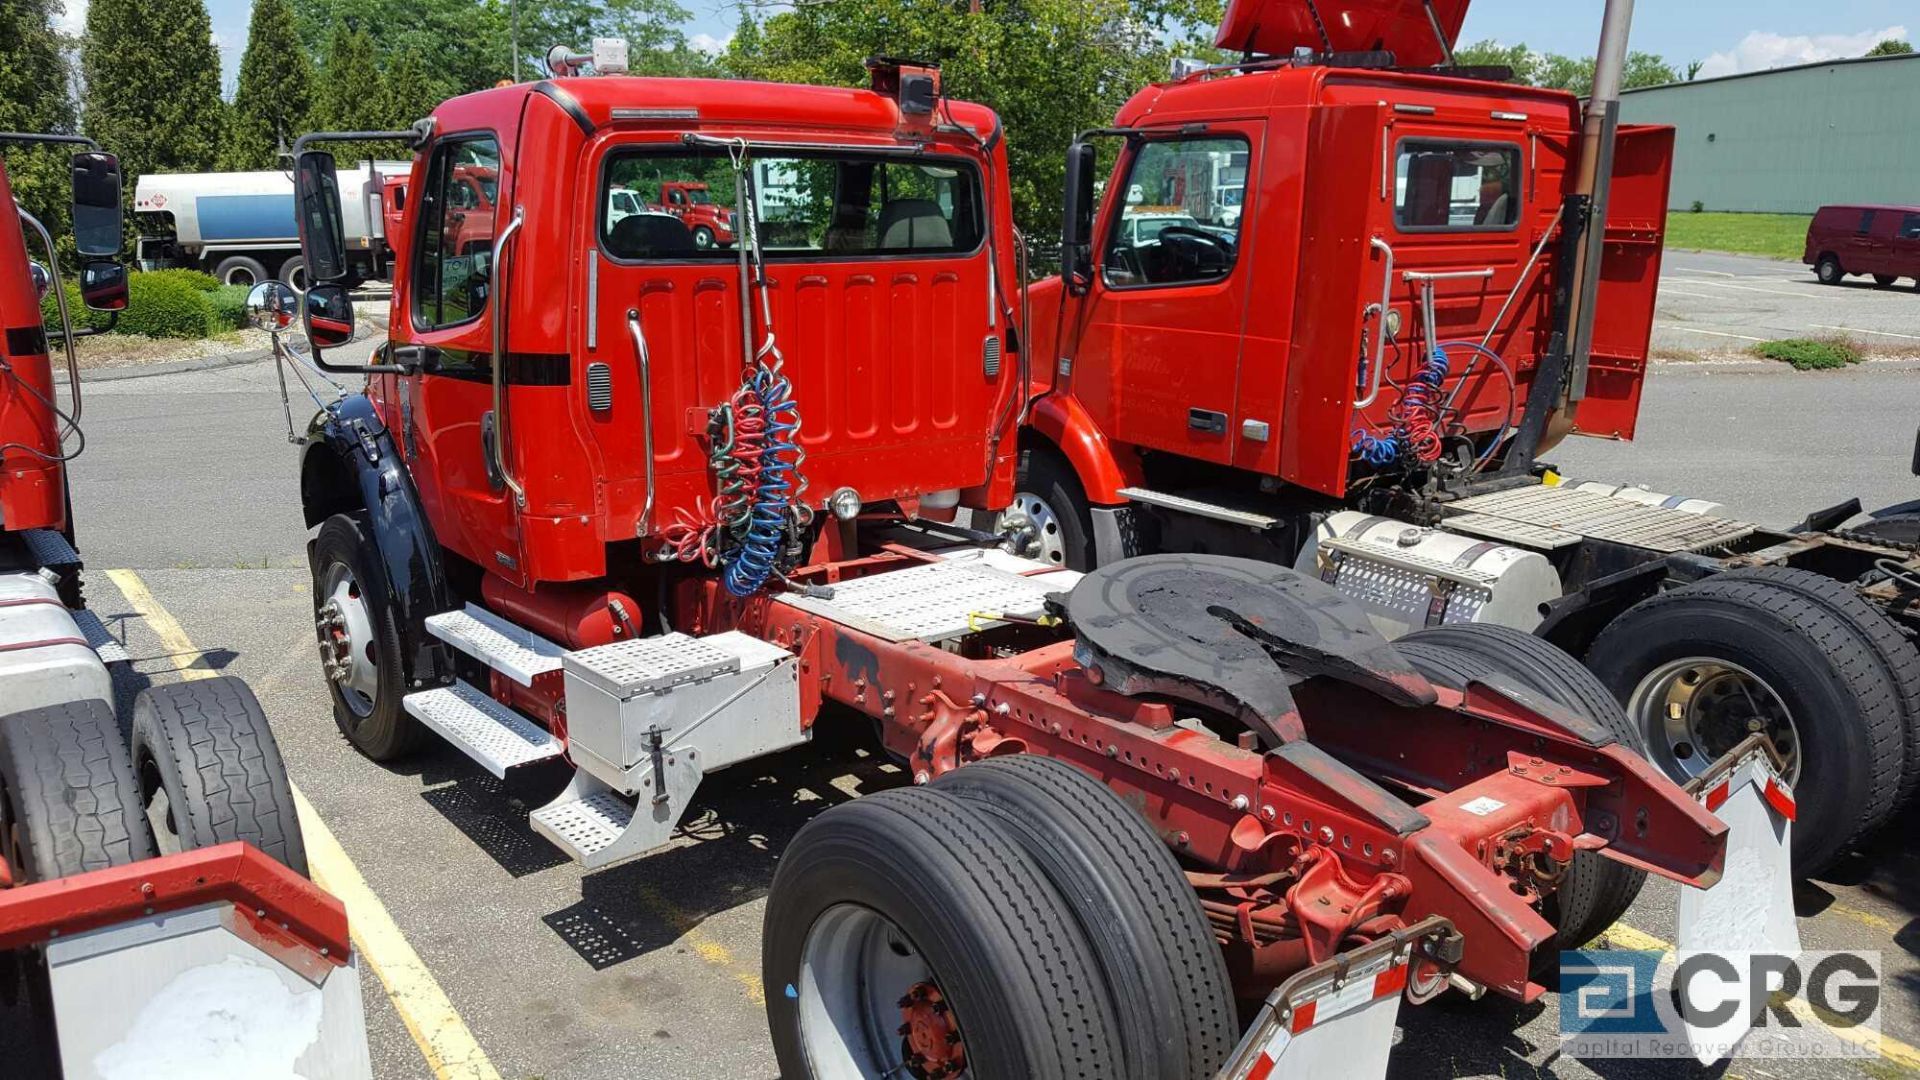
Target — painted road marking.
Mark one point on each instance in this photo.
(708, 950)
(1856, 330)
(1664, 291)
(449, 1047)
(190, 662)
(1743, 288)
(1712, 333)
(1893, 1050)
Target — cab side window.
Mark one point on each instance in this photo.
(1910, 227)
(1179, 219)
(453, 260)
(1448, 186)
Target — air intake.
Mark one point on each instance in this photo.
(990, 356)
(599, 387)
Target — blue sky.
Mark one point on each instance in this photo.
(1729, 35)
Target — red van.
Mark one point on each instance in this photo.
(1881, 241)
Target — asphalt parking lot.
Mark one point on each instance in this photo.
(534, 968)
(1715, 304)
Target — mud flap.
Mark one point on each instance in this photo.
(1750, 909)
(203, 992)
(1333, 1019)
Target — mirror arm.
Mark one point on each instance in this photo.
(66, 319)
(26, 138)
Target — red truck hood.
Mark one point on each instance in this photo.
(1276, 27)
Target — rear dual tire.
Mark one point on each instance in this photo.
(1782, 652)
(1596, 890)
(1042, 911)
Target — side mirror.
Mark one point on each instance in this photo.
(322, 237)
(42, 280)
(96, 205)
(103, 283)
(1076, 219)
(271, 306)
(329, 315)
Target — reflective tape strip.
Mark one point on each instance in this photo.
(1348, 998)
(1718, 794)
(1781, 799)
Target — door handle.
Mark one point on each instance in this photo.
(1207, 421)
(1379, 360)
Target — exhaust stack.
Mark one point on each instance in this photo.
(1594, 183)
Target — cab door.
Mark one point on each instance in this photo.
(1161, 328)
(443, 326)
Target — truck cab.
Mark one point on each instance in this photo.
(1381, 206)
(692, 202)
(549, 379)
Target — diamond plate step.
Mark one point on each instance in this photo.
(586, 828)
(514, 651)
(1197, 508)
(1602, 517)
(932, 602)
(109, 650)
(49, 548)
(482, 728)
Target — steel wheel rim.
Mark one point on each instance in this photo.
(348, 648)
(857, 971)
(240, 275)
(1695, 709)
(1040, 537)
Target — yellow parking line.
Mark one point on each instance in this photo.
(707, 949)
(449, 1047)
(188, 659)
(1898, 1053)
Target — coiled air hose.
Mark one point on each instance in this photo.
(756, 454)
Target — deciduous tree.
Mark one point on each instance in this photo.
(1890, 47)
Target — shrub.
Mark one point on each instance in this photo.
(1810, 354)
(229, 306)
(1699, 207)
(77, 311)
(163, 305)
(199, 279)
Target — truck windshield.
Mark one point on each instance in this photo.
(1457, 186)
(809, 205)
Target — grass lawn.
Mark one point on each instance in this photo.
(1778, 236)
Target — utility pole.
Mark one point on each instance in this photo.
(513, 35)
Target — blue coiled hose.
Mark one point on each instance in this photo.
(1414, 417)
(757, 547)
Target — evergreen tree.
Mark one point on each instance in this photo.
(408, 92)
(153, 86)
(35, 96)
(350, 95)
(271, 108)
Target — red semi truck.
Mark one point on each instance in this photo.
(138, 935)
(1436, 275)
(614, 499)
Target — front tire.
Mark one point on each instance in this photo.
(1702, 666)
(1828, 270)
(359, 641)
(1050, 498)
(904, 926)
(703, 238)
(1884, 280)
(206, 744)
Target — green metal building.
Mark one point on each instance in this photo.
(1792, 139)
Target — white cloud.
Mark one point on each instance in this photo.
(1761, 50)
(709, 44)
(74, 19)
